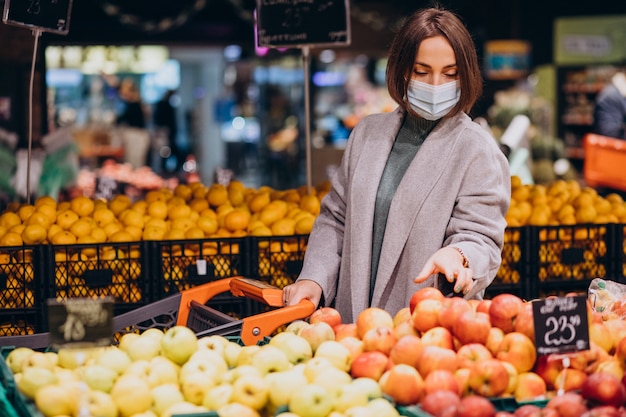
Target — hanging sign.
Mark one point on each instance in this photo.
(294, 23)
(561, 324)
(81, 322)
(44, 15)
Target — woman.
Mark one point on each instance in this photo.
(421, 194)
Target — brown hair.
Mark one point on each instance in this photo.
(427, 23)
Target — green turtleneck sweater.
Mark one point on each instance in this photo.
(410, 137)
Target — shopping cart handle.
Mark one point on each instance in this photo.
(255, 328)
(257, 290)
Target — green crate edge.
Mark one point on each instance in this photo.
(501, 404)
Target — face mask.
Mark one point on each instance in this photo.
(432, 102)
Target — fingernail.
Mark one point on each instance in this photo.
(457, 289)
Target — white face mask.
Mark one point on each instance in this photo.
(432, 102)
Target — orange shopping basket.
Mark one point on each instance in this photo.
(189, 308)
(605, 158)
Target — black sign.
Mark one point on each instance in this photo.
(285, 23)
(45, 15)
(561, 324)
(81, 322)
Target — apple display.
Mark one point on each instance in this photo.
(438, 336)
(470, 353)
(370, 364)
(530, 387)
(405, 328)
(426, 314)
(617, 327)
(513, 374)
(441, 380)
(195, 385)
(332, 379)
(131, 395)
(380, 407)
(40, 360)
(210, 357)
(494, 339)
(569, 379)
(349, 396)
(153, 332)
(519, 350)
(164, 396)
(600, 334)
(525, 322)
(369, 386)
(69, 358)
(326, 314)
(296, 325)
(296, 348)
(440, 403)
(283, 384)
(126, 339)
(314, 366)
(436, 357)
(337, 353)
(472, 327)
(424, 293)
(483, 305)
(488, 378)
(178, 344)
(143, 347)
(610, 365)
(213, 342)
(462, 378)
(162, 371)
(354, 345)
(251, 390)
(183, 408)
(401, 316)
(101, 404)
(407, 349)
(403, 384)
(231, 353)
(115, 358)
(504, 310)
(311, 401)
(317, 333)
(379, 338)
(371, 318)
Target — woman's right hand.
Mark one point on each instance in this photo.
(302, 289)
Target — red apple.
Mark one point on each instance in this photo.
(369, 364)
(462, 378)
(423, 294)
(372, 317)
(326, 314)
(408, 349)
(601, 388)
(569, 379)
(488, 378)
(426, 314)
(568, 404)
(345, 330)
(529, 410)
(503, 311)
(530, 386)
(510, 389)
(451, 309)
(605, 411)
(438, 336)
(401, 316)
(379, 338)
(405, 328)
(440, 380)
(354, 345)
(483, 306)
(611, 365)
(517, 349)
(316, 333)
(525, 322)
(549, 367)
(475, 406)
(470, 353)
(472, 327)
(403, 384)
(440, 403)
(436, 357)
(494, 339)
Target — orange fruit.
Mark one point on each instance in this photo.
(208, 224)
(45, 200)
(198, 204)
(139, 206)
(8, 219)
(182, 223)
(103, 216)
(111, 228)
(157, 209)
(259, 201)
(217, 195)
(236, 219)
(121, 236)
(25, 211)
(194, 233)
(178, 211)
(66, 218)
(63, 237)
(34, 234)
(261, 230)
(174, 234)
(81, 228)
(52, 230)
(130, 217)
(152, 222)
(153, 233)
(99, 235)
(119, 203)
(310, 203)
(134, 231)
(11, 239)
(183, 191)
(284, 227)
(199, 191)
(48, 210)
(38, 218)
(82, 205)
(304, 225)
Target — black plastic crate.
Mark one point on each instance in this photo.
(277, 259)
(178, 265)
(21, 292)
(513, 274)
(119, 270)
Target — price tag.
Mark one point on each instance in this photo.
(561, 324)
(45, 15)
(81, 322)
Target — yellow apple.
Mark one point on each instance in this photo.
(32, 379)
(218, 396)
(338, 354)
(283, 384)
(15, 358)
(132, 395)
(98, 377)
(270, 358)
(164, 396)
(179, 343)
(311, 401)
(251, 390)
(53, 400)
(101, 404)
(295, 347)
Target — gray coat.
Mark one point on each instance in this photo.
(455, 191)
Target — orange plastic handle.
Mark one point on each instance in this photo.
(255, 328)
(202, 294)
(257, 290)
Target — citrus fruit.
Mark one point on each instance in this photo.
(66, 218)
(48, 210)
(119, 203)
(284, 227)
(63, 237)
(304, 225)
(183, 191)
(82, 205)
(45, 200)
(157, 209)
(178, 211)
(198, 205)
(208, 224)
(152, 232)
(39, 218)
(310, 203)
(217, 195)
(81, 228)
(8, 219)
(121, 236)
(25, 211)
(236, 219)
(34, 234)
(103, 216)
(259, 201)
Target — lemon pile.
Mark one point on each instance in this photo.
(189, 211)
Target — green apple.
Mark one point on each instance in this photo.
(66, 375)
(73, 358)
(359, 411)
(231, 375)
(213, 342)
(349, 396)
(332, 379)
(164, 396)
(231, 353)
(195, 385)
(114, 358)
(218, 396)
(314, 366)
(246, 353)
(53, 400)
(336, 352)
(153, 332)
(132, 395)
(317, 333)
(179, 343)
(101, 404)
(369, 386)
(39, 360)
(148, 413)
(381, 407)
(296, 325)
(162, 371)
(210, 356)
(237, 410)
(32, 379)
(143, 347)
(200, 366)
(311, 401)
(15, 358)
(270, 359)
(98, 377)
(296, 348)
(284, 384)
(251, 390)
(126, 339)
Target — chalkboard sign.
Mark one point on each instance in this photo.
(45, 15)
(81, 322)
(561, 324)
(293, 23)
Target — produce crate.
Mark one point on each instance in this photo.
(119, 270)
(566, 258)
(21, 292)
(277, 259)
(512, 277)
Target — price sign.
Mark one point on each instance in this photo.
(288, 23)
(45, 15)
(561, 324)
(81, 322)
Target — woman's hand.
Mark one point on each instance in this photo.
(302, 289)
(449, 262)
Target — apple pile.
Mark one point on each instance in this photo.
(173, 372)
(473, 348)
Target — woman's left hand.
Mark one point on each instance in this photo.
(449, 262)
